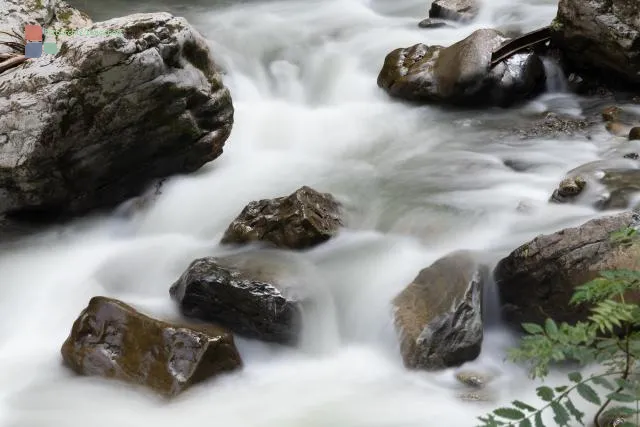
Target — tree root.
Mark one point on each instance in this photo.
(13, 61)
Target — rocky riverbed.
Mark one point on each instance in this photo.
(385, 205)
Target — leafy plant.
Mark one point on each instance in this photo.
(610, 337)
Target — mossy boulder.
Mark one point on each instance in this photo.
(111, 339)
(439, 315)
(538, 279)
(461, 74)
(301, 220)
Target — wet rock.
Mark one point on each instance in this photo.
(455, 10)
(439, 315)
(634, 134)
(617, 129)
(600, 37)
(112, 340)
(611, 114)
(554, 125)
(537, 279)
(433, 23)
(461, 74)
(301, 220)
(621, 184)
(473, 379)
(141, 101)
(241, 295)
(569, 188)
(632, 156)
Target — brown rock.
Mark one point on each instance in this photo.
(617, 129)
(611, 114)
(112, 340)
(537, 280)
(634, 133)
(301, 220)
(439, 315)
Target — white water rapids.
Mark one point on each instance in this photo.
(418, 182)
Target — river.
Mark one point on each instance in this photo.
(417, 183)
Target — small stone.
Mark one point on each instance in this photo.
(472, 379)
(632, 156)
(611, 113)
(568, 188)
(433, 23)
(634, 133)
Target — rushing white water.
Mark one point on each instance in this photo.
(418, 182)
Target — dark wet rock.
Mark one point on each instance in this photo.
(454, 10)
(611, 114)
(600, 38)
(240, 295)
(632, 156)
(461, 74)
(301, 220)
(517, 165)
(439, 315)
(433, 23)
(114, 113)
(569, 188)
(537, 280)
(112, 340)
(634, 134)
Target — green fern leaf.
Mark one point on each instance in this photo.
(538, 420)
(622, 397)
(575, 377)
(551, 328)
(509, 413)
(525, 423)
(533, 328)
(545, 393)
(588, 393)
(560, 415)
(577, 414)
(603, 382)
(521, 405)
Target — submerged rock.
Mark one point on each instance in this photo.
(433, 23)
(455, 10)
(473, 379)
(242, 295)
(112, 340)
(439, 315)
(600, 37)
(98, 122)
(461, 74)
(537, 279)
(301, 220)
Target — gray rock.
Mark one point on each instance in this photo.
(537, 280)
(439, 315)
(455, 10)
(433, 23)
(461, 74)
(95, 124)
(301, 220)
(241, 295)
(600, 36)
(473, 379)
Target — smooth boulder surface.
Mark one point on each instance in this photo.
(98, 122)
(439, 315)
(538, 279)
(242, 295)
(112, 340)
(601, 37)
(461, 74)
(455, 10)
(301, 220)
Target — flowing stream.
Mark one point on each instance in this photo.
(417, 183)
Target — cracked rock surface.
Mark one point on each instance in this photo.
(537, 280)
(96, 123)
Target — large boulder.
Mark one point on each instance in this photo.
(600, 37)
(111, 339)
(461, 74)
(99, 121)
(439, 315)
(455, 10)
(537, 280)
(301, 220)
(243, 294)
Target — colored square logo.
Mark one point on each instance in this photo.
(33, 33)
(33, 50)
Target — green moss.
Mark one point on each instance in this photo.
(64, 15)
(556, 25)
(38, 4)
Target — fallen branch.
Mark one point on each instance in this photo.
(12, 62)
